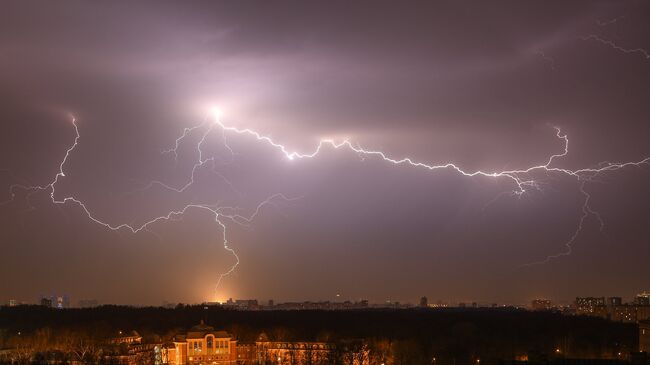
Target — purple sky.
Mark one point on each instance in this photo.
(480, 85)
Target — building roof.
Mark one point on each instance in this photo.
(130, 334)
(201, 330)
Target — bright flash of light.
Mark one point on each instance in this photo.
(521, 180)
(216, 112)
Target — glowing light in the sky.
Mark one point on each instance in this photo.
(216, 112)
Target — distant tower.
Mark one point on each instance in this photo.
(46, 302)
(424, 302)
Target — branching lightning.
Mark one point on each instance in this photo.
(642, 51)
(521, 179)
(219, 213)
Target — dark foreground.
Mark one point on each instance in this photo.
(413, 336)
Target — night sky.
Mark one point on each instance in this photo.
(477, 84)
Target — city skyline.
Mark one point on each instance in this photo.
(201, 152)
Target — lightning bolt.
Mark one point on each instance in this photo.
(520, 178)
(642, 51)
(548, 59)
(219, 213)
(604, 23)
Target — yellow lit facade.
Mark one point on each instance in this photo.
(202, 345)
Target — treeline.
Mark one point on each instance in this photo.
(414, 336)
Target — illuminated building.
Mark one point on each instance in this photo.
(203, 345)
(642, 299)
(55, 301)
(541, 305)
(615, 309)
(587, 305)
(624, 313)
(62, 301)
(246, 304)
(644, 336)
(129, 338)
(282, 352)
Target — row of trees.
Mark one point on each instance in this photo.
(392, 336)
(79, 345)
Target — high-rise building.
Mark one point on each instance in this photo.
(587, 305)
(644, 336)
(642, 299)
(13, 302)
(424, 302)
(624, 313)
(46, 302)
(62, 301)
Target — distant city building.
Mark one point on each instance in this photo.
(62, 302)
(55, 301)
(46, 302)
(643, 312)
(615, 309)
(644, 336)
(88, 303)
(242, 304)
(614, 301)
(642, 299)
(271, 303)
(424, 302)
(326, 305)
(624, 313)
(440, 304)
(13, 302)
(587, 305)
(541, 305)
